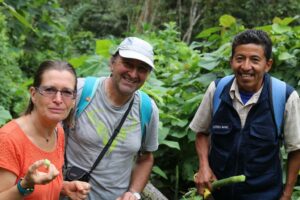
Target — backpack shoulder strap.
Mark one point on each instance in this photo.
(220, 84)
(145, 111)
(88, 91)
(278, 101)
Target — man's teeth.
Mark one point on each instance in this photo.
(129, 80)
(246, 75)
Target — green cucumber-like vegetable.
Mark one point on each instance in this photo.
(47, 163)
(228, 181)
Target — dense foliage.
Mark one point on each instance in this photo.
(43, 29)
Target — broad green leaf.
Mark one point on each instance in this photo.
(19, 17)
(208, 32)
(4, 116)
(227, 20)
(266, 28)
(154, 94)
(297, 187)
(208, 62)
(179, 122)
(280, 29)
(204, 79)
(285, 21)
(163, 133)
(178, 134)
(102, 47)
(171, 144)
(160, 172)
(78, 61)
(285, 56)
(1, 1)
(276, 20)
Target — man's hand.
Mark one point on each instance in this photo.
(76, 190)
(203, 180)
(285, 196)
(127, 196)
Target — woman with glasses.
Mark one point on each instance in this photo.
(32, 146)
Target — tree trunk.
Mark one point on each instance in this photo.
(145, 16)
(193, 19)
(152, 193)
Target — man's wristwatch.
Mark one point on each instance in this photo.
(137, 195)
(24, 191)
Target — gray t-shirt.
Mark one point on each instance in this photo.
(93, 129)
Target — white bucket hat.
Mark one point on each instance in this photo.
(136, 48)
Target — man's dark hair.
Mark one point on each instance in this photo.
(258, 37)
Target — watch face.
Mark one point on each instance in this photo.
(137, 195)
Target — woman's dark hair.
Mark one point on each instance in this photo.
(52, 65)
(258, 37)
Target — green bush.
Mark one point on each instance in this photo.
(12, 92)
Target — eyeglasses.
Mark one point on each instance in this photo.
(67, 94)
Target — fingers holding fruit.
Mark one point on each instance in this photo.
(40, 172)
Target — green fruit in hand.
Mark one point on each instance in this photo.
(47, 163)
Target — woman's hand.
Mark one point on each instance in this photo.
(34, 176)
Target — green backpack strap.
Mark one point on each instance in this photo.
(88, 91)
(145, 112)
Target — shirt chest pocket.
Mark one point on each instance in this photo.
(222, 136)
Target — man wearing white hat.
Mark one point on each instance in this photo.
(123, 172)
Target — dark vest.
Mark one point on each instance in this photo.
(253, 150)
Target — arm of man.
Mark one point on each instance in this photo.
(205, 176)
(140, 175)
(293, 167)
(292, 143)
(141, 172)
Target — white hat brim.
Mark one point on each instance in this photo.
(136, 55)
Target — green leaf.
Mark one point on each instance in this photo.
(280, 29)
(102, 47)
(163, 133)
(285, 21)
(178, 134)
(171, 144)
(4, 116)
(160, 172)
(78, 61)
(208, 32)
(179, 122)
(285, 56)
(19, 17)
(227, 20)
(204, 79)
(208, 62)
(266, 28)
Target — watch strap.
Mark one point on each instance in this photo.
(24, 191)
